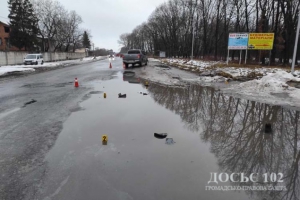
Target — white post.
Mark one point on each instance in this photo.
(296, 44)
(227, 56)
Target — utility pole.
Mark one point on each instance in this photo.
(296, 45)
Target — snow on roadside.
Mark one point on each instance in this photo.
(237, 72)
(272, 89)
(200, 66)
(5, 70)
(153, 60)
(50, 64)
(269, 75)
(206, 79)
(31, 68)
(273, 82)
(195, 63)
(58, 63)
(297, 73)
(269, 86)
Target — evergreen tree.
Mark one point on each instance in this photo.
(23, 24)
(86, 40)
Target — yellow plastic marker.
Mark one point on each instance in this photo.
(146, 83)
(104, 138)
(104, 95)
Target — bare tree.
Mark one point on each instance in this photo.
(170, 27)
(49, 15)
(76, 40)
(68, 30)
(57, 25)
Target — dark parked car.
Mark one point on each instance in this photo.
(135, 56)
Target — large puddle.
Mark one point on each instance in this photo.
(210, 134)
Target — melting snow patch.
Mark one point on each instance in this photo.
(273, 82)
(193, 63)
(5, 70)
(269, 88)
(153, 59)
(212, 79)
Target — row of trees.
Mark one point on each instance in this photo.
(45, 23)
(101, 52)
(170, 27)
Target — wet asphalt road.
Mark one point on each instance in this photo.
(52, 149)
(27, 132)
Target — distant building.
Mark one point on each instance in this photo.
(4, 38)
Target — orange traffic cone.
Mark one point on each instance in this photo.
(110, 66)
(76, 84)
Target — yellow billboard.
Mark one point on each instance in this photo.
(261, 41)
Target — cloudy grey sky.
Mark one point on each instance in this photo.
(106, 19)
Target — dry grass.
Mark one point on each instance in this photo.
(254, 74)
(224, 74)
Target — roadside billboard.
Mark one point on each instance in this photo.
(261, 41)
(162, 54)
(237, 41)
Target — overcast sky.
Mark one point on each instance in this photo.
(106, 19)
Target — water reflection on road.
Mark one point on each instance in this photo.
(235, 130)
